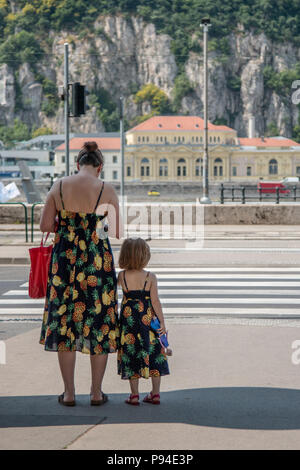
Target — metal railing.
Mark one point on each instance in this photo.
(239, 194)
(25, 211)
(32, 217)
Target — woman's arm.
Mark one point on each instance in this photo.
(47, 222)
(156, 304)
(115, 225)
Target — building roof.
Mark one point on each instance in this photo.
(267, 142)
(175, 123)
(104, 143)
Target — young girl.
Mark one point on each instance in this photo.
(140, 353)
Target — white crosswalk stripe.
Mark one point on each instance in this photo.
(199, 291)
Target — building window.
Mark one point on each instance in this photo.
(181, 167)
(102, 175)
(115, 159)
(298, 170)
(199, 167)
(218, 167)
(139, 139)
(234, 171)
(174, 139)
(249, 170)
(197, 139)
(129, 171)
(115, 175)
(192, 139)
(273, 167)
(218, 139)
(63, 159)
(147, 139)
(143, 139)
(201, 139)
(215, 139)
(182, 139)
(163, 167)
(145, 168)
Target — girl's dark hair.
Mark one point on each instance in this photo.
(90, 154)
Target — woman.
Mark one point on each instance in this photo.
(81, 301)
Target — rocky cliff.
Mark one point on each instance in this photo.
(124, 53)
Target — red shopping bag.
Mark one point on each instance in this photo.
(40, 259)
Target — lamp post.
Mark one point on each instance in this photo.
(205, 24)
(66, 105)
(122, 141)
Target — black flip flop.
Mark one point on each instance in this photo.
(65, 403)
(100, 402)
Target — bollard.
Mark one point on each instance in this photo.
(222, 193)
(243, 195)
(295, 193)
(277, 195)
(260, 194)
(232, 194)
(26, 215)
(32, 216)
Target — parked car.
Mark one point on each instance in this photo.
(270, 187)
(153, 192)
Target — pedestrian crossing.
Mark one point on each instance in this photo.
(199, 291)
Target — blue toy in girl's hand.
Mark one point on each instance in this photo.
(155, 325)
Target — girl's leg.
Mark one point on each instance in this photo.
(155, 386)
(134, 386)
(66, 361)
(98, 366)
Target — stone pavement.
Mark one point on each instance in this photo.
(238, 244)
(232, 386)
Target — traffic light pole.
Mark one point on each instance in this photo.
(66, 106)
(122, 154)
(205, 197)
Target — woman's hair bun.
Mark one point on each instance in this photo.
(90, 146)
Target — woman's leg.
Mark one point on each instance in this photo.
(98, 366)
(134, 386)
(66, 361)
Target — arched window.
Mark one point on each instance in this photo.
(199, 167)
(273, 167)
(163, 167)
(181, 167)
(218, 167)
(145, 167)
(218, 138)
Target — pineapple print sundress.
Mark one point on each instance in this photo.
(80, 311)
(140, 353)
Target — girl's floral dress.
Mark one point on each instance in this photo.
(81, 301)
(140, 353)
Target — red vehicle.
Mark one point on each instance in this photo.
(270, 187)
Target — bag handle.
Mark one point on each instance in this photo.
(42, 240)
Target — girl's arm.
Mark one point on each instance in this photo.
(156, 304)
(119, 283)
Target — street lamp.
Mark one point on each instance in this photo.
(205, 24)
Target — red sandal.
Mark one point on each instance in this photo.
(150, 399)
(133, 403)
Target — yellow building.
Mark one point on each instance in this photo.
(170, 148)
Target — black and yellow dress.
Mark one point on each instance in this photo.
(140, 353)
(81, 301)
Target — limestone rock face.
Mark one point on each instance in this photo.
(122, 54)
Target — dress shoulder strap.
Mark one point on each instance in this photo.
(146, 280)
(99, 197)
(61, 196)
(124, 277)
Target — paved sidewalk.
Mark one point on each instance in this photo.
(231, 387)
(263, 245)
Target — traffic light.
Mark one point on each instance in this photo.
(79, 94)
